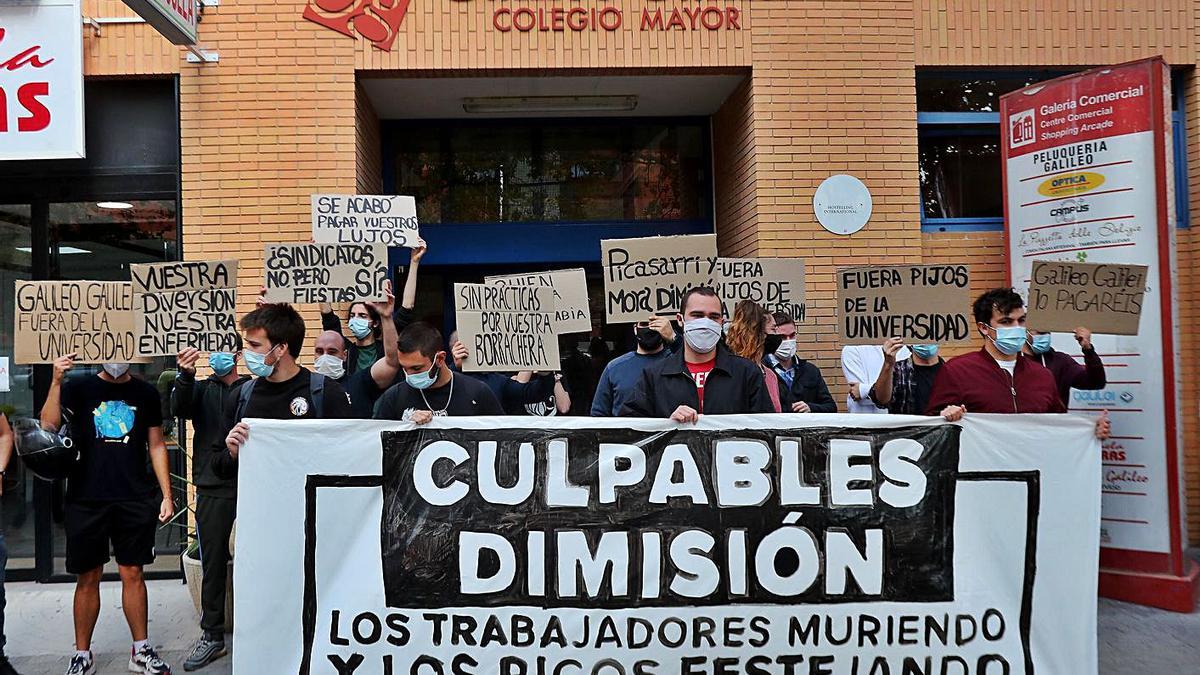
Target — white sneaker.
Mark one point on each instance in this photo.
(146, 660)
(81, 665)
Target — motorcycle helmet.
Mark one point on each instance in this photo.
(49, 455)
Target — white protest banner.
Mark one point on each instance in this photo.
(775, 283)
(310, 273)
(91, 319)
(185, 304)
(364, 219)
(572, 312)
(747, 544)
(650, 275)
(924, 304)
(1087, 179)
(506, 327)
(41, 80)
(5, 384)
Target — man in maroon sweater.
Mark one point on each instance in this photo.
(997, 379)
(1066, 370)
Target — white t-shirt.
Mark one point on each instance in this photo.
(861, 364)
(1010, 366)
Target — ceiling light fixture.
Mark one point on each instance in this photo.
(549, 104)
(114, 205)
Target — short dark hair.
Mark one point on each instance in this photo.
(782, 318)
(1003, 300)
(706, 291)
(281, 322)
(237, 342)
(420, 337)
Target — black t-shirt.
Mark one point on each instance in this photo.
(110, 425)
(462, 397)
(292, 399)
(547, 407)
(923, 376)
(364, 392)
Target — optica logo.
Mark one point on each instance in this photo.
(1073, 183)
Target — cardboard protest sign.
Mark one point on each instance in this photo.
(572, 313)
(506, 327)
(311, 273)
(390, 220)
(650, 275)
(185, 304)
(1105, 297)
(924, 304)
(92, 319)
(775, 283)
(864, 543)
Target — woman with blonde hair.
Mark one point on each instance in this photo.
(747, 337)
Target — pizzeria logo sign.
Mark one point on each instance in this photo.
(379, 20)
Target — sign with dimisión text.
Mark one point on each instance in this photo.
(755, 544)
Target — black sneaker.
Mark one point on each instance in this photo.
(6, 668)
(208, 649)
(81, 665)
(146, 660)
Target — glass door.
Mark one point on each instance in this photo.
(16, 392)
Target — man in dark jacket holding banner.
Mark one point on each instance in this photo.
(702, 378)
(207, 403)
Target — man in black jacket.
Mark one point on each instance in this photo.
(805, 385)
(206, 404)
(702, 378)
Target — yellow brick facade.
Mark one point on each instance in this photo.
(829, 88)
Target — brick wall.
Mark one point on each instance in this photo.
(734, 173)
(125, 48)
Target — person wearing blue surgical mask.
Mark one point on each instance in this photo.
(365, 345)
(207, 403)
(904, 384)
(430, 388)
(1066, 370)
(997, 378)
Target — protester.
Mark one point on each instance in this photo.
(861, 365)
(330, 351)
(1068, 374)
(578, 378)
(366, 346)
(904, 385)
(703, 377)
(997, 378)
(430, 388)
(801, 379)
(6, 453)
(747, 337)
(284, 390)
(112, 499)
(367, 385)
(622, 374)
(207, 404)
(558, 403)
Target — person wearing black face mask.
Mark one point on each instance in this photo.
(621, 375)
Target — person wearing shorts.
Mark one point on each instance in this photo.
(117, 495)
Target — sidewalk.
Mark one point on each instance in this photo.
(1133, 640)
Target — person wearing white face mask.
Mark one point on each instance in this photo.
(702, 378)
(804, 381)
(113, 501)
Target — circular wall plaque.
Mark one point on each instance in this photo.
(842, 204)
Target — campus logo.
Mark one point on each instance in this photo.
(376, 20)
(1020, 130)
(1069, 210)
(1065, 184)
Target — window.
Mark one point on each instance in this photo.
(958, 148)
(551, 171)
